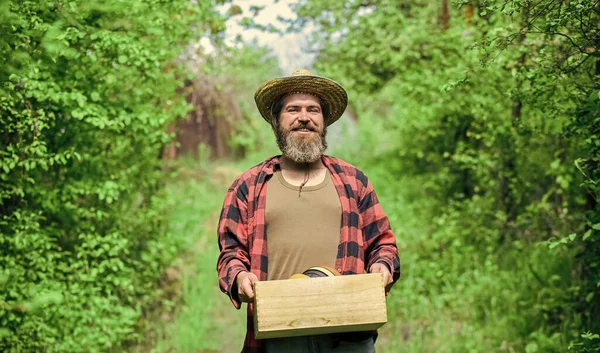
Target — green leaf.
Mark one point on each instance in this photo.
(531, 347)
(589, 297)
(590, 336)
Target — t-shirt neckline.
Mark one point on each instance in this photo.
(285, 183)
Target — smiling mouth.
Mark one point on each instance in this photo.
(303, 130)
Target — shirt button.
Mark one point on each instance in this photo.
(339, 270)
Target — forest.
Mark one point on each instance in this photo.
(477, 122)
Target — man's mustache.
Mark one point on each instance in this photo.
(307, 126)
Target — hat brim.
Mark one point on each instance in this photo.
(328, 91)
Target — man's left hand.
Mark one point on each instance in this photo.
(387, 276)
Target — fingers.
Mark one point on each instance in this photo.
(381, 268)
(252, 277)
(378, 268)
(247, 289)
(249, 285)
(387, 276)
(246, 282)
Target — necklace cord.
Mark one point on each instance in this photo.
(306, 177)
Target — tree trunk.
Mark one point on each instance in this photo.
(507, 194)
(445, 18)
(469, 15)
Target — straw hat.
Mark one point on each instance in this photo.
(332, 95)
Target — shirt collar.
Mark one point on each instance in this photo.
(274, 163)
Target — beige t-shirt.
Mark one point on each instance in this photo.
(302, 231)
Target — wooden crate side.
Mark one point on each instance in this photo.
(309, 331)
(319, 305)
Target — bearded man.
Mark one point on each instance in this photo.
(312, 208)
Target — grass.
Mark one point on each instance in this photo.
(204, 320)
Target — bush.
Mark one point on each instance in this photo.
(87, 90)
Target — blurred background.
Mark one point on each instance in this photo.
(124, 122)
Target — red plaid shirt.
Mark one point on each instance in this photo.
(365, 233)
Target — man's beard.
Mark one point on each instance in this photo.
(300, 148)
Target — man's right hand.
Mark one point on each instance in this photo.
(245, 286)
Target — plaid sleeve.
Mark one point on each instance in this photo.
(233, 239)
(380, 241)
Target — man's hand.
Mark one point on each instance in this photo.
(387, 276)
(245, 286)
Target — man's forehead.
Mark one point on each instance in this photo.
(301, 97)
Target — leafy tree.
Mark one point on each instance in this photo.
(87, 90)
(492, 109)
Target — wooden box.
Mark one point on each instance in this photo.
(312, 306)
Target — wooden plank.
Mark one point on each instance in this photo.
(299, 307)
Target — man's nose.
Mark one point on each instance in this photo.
(303, 116)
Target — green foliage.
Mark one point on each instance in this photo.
(481, 134)
(87, 91)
